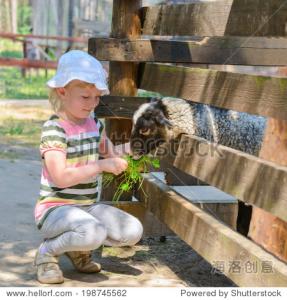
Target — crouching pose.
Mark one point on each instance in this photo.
(66, 212)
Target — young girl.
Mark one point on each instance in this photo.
(66, 213)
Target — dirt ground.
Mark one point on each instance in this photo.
(150, 263)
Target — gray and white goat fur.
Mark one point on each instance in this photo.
(164, 119)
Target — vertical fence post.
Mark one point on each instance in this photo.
(126, 23)
(265, 229)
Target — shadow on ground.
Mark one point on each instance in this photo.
(151, 263)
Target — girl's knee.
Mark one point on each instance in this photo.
(134, 232)
(93, 234)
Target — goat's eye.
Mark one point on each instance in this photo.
(145, 131)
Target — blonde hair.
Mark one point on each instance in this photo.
(54, 98)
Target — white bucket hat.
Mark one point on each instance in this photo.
(80, 65)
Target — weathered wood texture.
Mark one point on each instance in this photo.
(211, 239)
(126, 21)
(203, 50)
(122, 75)
(119, 107)
(250, 179)
(227, 17)
(122, 82)
(226, 213)
(274, 146)
(266, 229)
(173, 176)
(260, 95)
(269, 231)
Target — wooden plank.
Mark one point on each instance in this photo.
(119, 106)
(166, 153)
(226, 17)
(13, 36)
(274, 146)
(174, 176)
(269, 231)
(201, 49)
(260, 95)
(28, 63)
(248, 178)
(265, 229)
(254, 94)
(210, 238)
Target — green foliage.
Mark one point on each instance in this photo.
(144, 93)
(19, 132)
(131, 176)
(10, 49)
(13, 127)
(14, 86)
(24, 14)
(25, 132)
(11, 54)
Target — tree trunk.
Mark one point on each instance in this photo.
(14, 15)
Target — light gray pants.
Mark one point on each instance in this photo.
(82, 228)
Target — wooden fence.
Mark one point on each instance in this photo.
(144, 49)
(39, 42)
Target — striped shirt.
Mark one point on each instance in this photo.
(80, 144)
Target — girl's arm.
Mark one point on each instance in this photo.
(63, 176)
(108, 149)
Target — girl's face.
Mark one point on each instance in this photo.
(78, 100)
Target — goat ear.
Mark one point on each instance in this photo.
(167, 123)
(163, 121)
(154, 99)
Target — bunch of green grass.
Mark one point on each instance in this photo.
(131, 176)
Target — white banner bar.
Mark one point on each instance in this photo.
(64, 293)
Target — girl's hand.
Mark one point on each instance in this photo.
(114, 165)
